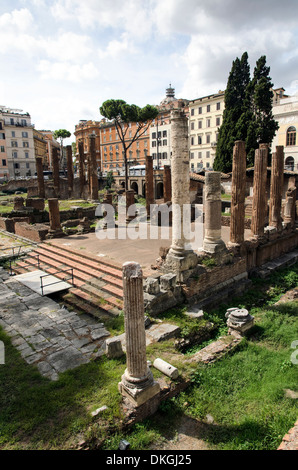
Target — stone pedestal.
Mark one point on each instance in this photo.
(239, 321)
(167, 184)
(238, 193)
(276, 188)
(18, 203)
(149, 184)
(137, 382)
(40, 177)
(56, 177)
(259, 202)
(213, 242)
(69, 170)
(93, 183)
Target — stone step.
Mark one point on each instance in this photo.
(84, 272)
(73, 301)
(102, 304)
(85, 259)
(105, 295)
(104, 285)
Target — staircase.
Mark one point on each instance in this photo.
(98, 288)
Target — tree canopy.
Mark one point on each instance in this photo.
(122, 114)
(248, 112)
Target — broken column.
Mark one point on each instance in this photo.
(18, 203)
(180, 257)
(149, 180)
(238, 193)
(137, 382)
(239, 321)
(81, 166)
(213, 242)
(290, 207)
(276, 188)
(259, 202)
(167, 185)
(130, 205)
(40, 177)
(56, 177)
(54, 215)
(93, 183)
(69, 169)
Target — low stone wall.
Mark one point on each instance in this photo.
(9, 224)
(36, 233)
(226, 221)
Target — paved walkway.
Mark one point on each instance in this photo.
(48, 336)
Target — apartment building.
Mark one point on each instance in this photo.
(285, 112)
(3, 155)
(50, 144)
(205, 118)
(40, 147)
(18, 134)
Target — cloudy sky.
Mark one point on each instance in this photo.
(61, 59)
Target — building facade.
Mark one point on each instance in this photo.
(205, 118)
(285, 112)
(82, 132)
(50, 144)
(4, 174)
(18, 134)
(40, 147)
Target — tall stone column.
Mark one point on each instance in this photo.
(69, 169)
(149, 180)
(137, 382)
(54, 215)
(213, 242)
(81, 166)
(40, 177)
(167, 184)
(56, 177)
(259, 202)
(238, 193)
(276, 188)
(180, 257)
(130, 201)
(93, 169)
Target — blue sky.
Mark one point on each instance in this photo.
(61, 59)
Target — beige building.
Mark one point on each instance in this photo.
(285, 112)
(205, 118)
(40, 146)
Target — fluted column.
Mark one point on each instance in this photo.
(213, 242)
(238, 193)
(276, 188)
(259, 202)
(137, 381)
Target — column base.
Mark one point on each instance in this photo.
(214, 247)
(138, 391)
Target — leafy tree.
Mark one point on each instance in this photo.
(61, 134)
(236, 105)
(110, 180)
(122, 114)
(248, 112)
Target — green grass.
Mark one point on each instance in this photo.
(243, 392)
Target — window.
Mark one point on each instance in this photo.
(192, 112)
(200, 125)
(208, 122)
(192, 126)
(208, 139)
(14, 154)
(208, 108)
(16, 166)
(1, 126)
(25, 135)
(207, 154)
(165, 142)
(3, 162)
(199, 140)
(13, 134)
(218, 106)
(12, 121)
(26, 144)
(218, 121)
(290, 163)
(2, 148)
(14, 143)
(23, 122)
(27, 165)
(192, 141)
(2, 135)
(153, 135)
(26, 155)
(291, 136)
(164, 133)
(192, 155)
(154, 143)
(200, 110)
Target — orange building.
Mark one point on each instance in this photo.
(112, 153)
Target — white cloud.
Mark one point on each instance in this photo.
(67, 71)
(17, 21)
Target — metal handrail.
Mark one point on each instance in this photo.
(26, 262)
(42, 286)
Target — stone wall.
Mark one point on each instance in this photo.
(35, 232)
(226, 220)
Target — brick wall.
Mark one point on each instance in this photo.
(35, 233)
